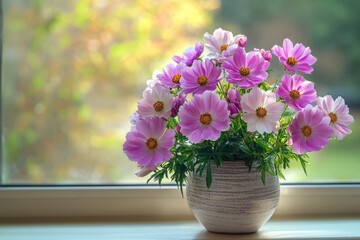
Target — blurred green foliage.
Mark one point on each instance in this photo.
(74, 70)
(329, 27)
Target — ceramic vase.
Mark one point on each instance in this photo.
(237, 200)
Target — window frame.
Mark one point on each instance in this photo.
(152, 202)
(1, 117)
(165, 203)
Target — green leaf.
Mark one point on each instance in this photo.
(263, 176)
(200, 169)
(281, 175)
(245, 149)
(208, 175)
(264, 86)
(303, 163)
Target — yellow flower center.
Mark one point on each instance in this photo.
(261, 112)
(151, 143)
(205, 118)
(294, 94)
(176, 78)
(291, 61)
(158, 106)
(202, 80)
(223, 47)
(306, 131)
(333, 117)
(244, 71)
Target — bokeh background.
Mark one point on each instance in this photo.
(74, 70)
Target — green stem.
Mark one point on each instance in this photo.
(278, 135)
(277, 80)
(221, 89)
(246, 138)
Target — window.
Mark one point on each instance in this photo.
(74, 70)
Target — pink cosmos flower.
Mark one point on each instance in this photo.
(222, 43)
(295, 58)
(262, 112)
(246, 70)
(202, 76)
(178, 102)
(234, 102)
(190, 54)
(296, 91)
(149, 143)
(171, 75)
(156, 102)
(339, 115)
(204, 117)
(310, 130)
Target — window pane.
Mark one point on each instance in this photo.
(74, 70)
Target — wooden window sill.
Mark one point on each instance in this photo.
(331, 228)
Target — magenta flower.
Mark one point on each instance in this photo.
(222, 43)
(233, 99)
(190, 54)
(295, 58)
(246, 70)
(156, 102)
(296, 91)
(178, 102)
(204, 117)
(149, 143)
(202, 76)
(261, 111)
(310, 130)
(339, 115)
(171, 75)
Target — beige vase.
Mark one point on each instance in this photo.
(236, 202)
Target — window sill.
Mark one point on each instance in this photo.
(274, 229)
(161, 204)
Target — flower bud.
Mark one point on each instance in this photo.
(234, 102)
(178, 129)
(266, 54)
(177, 103)
(242, 41)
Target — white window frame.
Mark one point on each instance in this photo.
(154, 203)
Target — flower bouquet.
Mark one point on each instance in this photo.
(222, 106)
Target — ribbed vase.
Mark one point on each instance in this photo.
(236, 202)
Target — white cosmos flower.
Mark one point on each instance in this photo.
(222, 43)
(261, 111)
(156, 102)
(338, 112)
